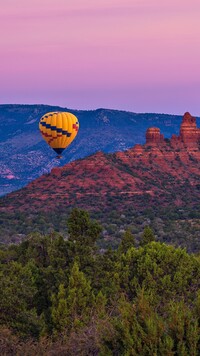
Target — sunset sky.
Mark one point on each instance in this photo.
(136, 55)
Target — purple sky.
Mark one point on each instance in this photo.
(137, 55)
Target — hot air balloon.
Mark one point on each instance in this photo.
(59, 129)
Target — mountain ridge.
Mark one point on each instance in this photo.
(136, 169)
(25, 156)
(156, 183)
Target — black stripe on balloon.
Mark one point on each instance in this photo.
(54, 128)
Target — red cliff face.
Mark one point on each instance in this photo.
(153, 136)
(189, 133)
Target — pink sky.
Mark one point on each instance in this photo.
(137, 55)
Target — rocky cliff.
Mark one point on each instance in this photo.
(25, 156)
(153, 136)
(161, 172)
(189, 134)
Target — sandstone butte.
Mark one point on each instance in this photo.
(159, 173)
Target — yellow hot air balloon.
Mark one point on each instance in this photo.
(59, 129)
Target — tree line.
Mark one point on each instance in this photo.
(68, 297)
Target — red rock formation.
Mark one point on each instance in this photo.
(189, 133)
(166, 173)
(138, 149)
(153, 136)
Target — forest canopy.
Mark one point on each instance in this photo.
(68, 297)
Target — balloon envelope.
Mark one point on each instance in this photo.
(59, 129)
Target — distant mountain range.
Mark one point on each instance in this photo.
(161, 174)
(26, 156)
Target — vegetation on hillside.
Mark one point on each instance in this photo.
(173, 225)
(68, 297)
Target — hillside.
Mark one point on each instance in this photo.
(25, 156)
(66, 297)
(159, 176)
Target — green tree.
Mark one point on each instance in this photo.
(106, 274)
(59, 312)
(17, 300)
(183, 328)
(100, 305)
(163, 271)
(147, 236)
(128, 241)
(83, 234)
(79, 297)
(80, 226)
(49, 264)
